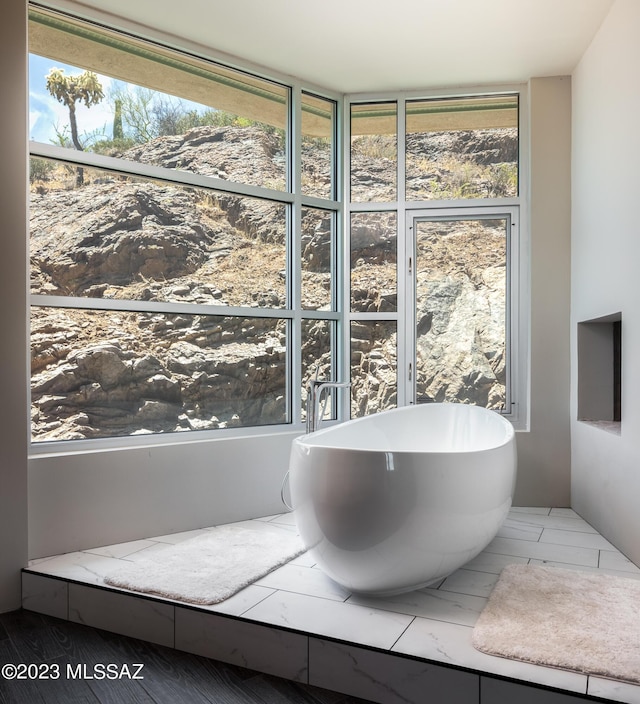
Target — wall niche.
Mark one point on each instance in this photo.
(600, 372)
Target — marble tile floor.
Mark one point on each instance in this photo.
(298, 624)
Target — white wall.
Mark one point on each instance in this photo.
(606, 266)
(544, 452)
(100, 498)
(13, 286)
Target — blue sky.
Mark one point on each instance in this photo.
(45, 112)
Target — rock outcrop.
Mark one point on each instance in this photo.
(100, 373)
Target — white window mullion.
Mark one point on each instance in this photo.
(294, 267)
(403, 279)
(151, 171)
(170, 308)
(344, 366)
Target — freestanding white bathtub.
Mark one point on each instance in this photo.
(392, 502)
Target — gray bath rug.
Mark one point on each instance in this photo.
(580, 621)
(211, 567)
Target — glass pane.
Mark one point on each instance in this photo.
(460, 311)
(99, 91)
(130, 238)
(374, 152)
(462, 148)
(318, 358)
(374, 357)
(317, 247)
(98, 374)
(318, 146)
(374, 262)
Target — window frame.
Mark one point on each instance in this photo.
(342, 208)
(512, 255)
(292, 198)
(519, 280)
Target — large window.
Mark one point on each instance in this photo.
(435, 241)
(192, 265)
(183, 248)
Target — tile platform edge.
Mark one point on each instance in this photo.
(51, 604)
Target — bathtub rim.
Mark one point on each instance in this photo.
(307, 439)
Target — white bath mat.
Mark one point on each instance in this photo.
(580, 621)
(212, 567)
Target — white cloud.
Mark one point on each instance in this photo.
(47, 115)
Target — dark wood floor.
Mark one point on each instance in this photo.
(170, 677)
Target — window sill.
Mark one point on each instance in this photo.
(158, 440)
(611, 426)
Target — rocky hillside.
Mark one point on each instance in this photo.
(108, 373)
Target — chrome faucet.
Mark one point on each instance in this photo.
(315, 387)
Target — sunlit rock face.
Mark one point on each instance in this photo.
(110, 373)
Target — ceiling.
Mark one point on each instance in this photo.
(359, 46)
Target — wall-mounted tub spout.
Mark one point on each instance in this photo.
(315, 387)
